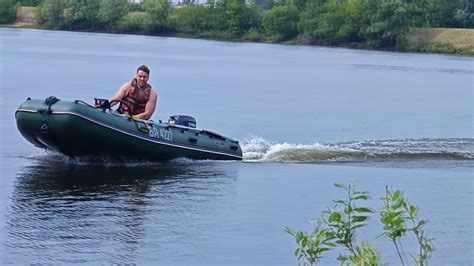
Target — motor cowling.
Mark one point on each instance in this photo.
(183, 120)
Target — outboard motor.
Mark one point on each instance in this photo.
(182, 120)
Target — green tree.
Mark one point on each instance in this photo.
(83, 14)
(158, 12)
(331, 22)
(300, 4)
(386, 23)
(234, 17)
(191, 19)
(136, 7)
(110, 11)
(7, 11)
(132, 22)
(280, 22)
(308, 22)
(416, 12)
(29, 2)
(265, 4)
(465, 14)
(50, 13)
(441, 13)
(251, 18)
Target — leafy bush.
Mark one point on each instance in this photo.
(465, 14)
(132, 22)
(135, 7)
(398, 217)
(158, 12)
(331, 22)
(7, 11)
(110, 11)
(29, 2)
(191, 19)
(281, 21)
(436, 47)
(440, 13)
(252, 35)
(50, 13)
(337, 227)
(233, 17)
(361, 23)
(385, 23)
(83, 14)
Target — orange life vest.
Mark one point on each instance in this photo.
(135, 98)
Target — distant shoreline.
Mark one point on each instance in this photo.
(454, 41)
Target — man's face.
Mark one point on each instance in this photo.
(142, 78)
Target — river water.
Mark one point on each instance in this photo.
(307, 117)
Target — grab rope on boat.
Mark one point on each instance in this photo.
(80, 101)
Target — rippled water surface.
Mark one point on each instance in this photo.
(306, 117)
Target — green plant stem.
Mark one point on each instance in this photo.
(348, 246)
(398, 251)
(402, 250)
(388, 201)
(420, 241)
(307, 256)
(349, 220)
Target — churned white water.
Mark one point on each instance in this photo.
(259, 149)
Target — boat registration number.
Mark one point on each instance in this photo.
(161, 133)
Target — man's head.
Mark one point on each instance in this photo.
(143, 73)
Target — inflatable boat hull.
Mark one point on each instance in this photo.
(78, 129)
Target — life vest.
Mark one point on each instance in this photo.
(135, 98)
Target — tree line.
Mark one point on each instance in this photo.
(367, 23)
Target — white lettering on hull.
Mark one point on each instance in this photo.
(161, 133)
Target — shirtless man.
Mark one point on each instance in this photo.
(138, 95)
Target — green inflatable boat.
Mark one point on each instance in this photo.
(76, 128)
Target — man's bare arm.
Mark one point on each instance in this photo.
(120, 94)
(149, 107)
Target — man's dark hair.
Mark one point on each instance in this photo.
(144, 69)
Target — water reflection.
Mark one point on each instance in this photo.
(65, 213)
